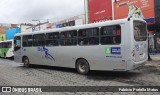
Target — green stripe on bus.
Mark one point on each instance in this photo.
(3, 51)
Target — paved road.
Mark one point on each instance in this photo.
(15, 74)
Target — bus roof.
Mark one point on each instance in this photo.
(111, 22)
(6, 41)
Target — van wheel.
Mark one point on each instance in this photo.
(82, 66)
(26, 61)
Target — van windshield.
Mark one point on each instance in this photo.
(140, 31)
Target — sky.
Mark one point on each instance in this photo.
(24, 11)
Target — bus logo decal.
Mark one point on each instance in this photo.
(137, 47)
(116, 50)
(107, 50)
(145, 46)
(113, 50)
(47, 55)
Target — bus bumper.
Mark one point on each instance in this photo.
(134, 65)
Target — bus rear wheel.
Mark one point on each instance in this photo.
(82, 66)
(4, 55)
(26, 61)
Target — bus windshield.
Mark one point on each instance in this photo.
(140, 31)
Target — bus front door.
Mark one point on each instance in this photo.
(17, 49)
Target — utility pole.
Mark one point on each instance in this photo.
(86, 10)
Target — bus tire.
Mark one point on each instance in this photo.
(5, 55)
(82, 66)
(26, 61)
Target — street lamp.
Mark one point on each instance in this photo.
(39, 23)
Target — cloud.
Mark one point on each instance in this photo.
(16, 11)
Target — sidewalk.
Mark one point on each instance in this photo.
(155, 57)
(155, 60)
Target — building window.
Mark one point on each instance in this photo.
(69, 38)
(88, 36)
(27, 41)
(39, 40)
(52, 39)
(110, 35)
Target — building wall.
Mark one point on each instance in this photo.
(2, 29)
(24, 28)
(2, 37)
(151, 12)
(99, 10)
(121, 8)
(5, 24)
(13, 25)
(42, 26)
(72, 21)
(11, 32)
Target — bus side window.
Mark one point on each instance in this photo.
(88, 36)
(118, 34)
(27, 41)
(9, 44)
(110, 35)
(62, 39)
(69, 38)
(39, 40)
(52, 39)
(81, 35)
(118, 39)
(81, 42)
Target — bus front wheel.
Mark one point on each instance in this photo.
(26, 61)
(82, 66)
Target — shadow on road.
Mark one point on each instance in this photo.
(61, 69)
(107, 75)
(10, 58)
(96, 75)
(131, 78)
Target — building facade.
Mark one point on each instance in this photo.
(98, 10)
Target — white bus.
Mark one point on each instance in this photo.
(118, 45)
(6, 48)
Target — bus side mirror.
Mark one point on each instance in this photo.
(129, 19)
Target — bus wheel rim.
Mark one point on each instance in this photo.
(82, 67)
(26, 62)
